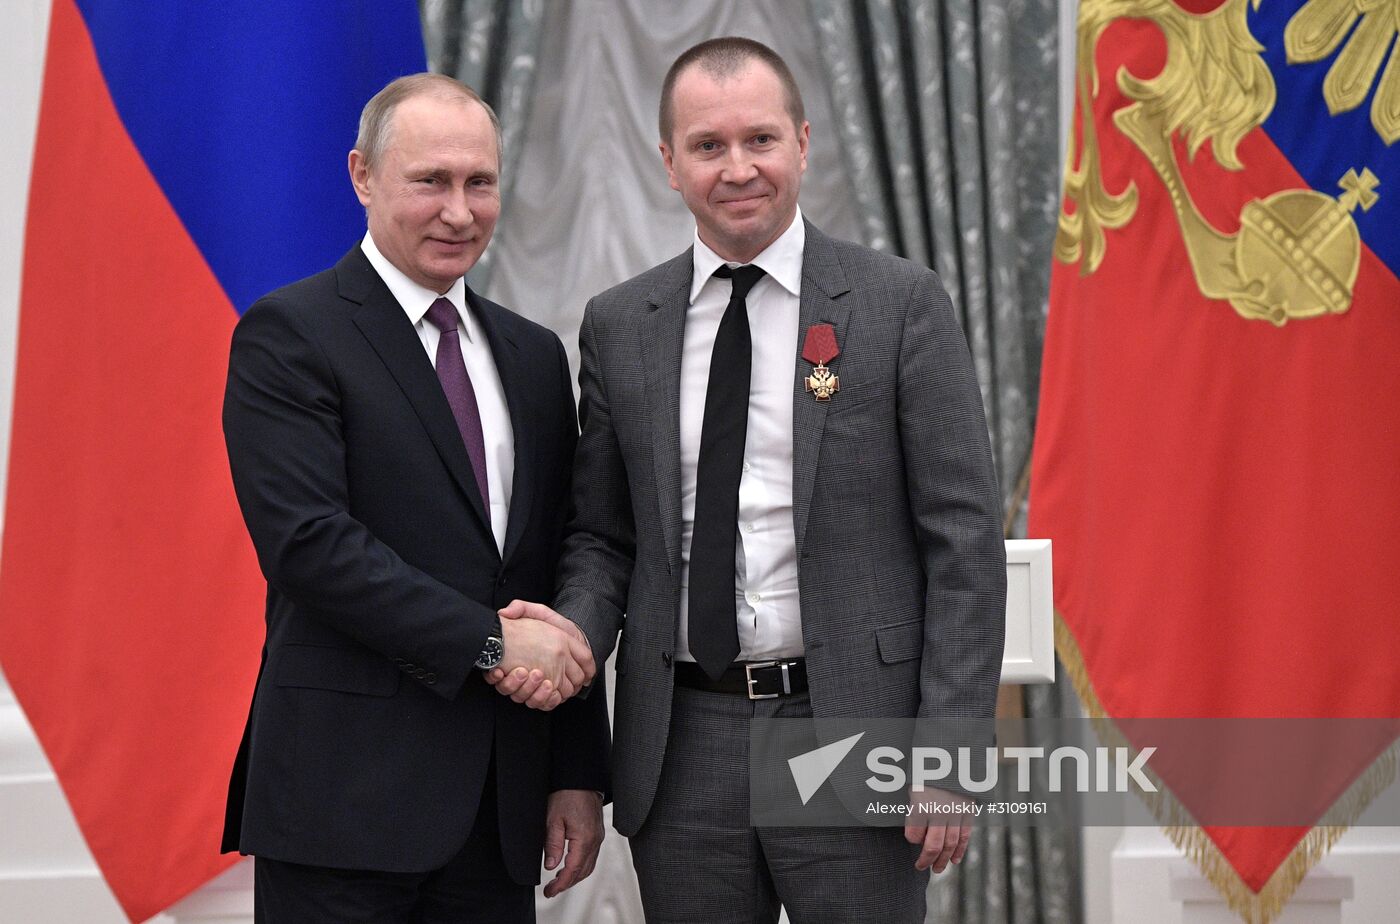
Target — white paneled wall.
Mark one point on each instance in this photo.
(47, 875)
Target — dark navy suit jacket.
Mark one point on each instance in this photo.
(370, 731)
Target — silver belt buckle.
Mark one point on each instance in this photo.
(748, 675)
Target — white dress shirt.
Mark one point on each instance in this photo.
(496, 430)
(769, 611)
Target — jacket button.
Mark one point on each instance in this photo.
(430, 679)
(406, 666)
(399, 662)
(666, 658)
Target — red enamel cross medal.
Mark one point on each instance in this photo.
(819, 349)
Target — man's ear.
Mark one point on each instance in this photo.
(804, 138)
(359, 176)
(667, 159)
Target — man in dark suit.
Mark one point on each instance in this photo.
(401, 450)
(786, 506)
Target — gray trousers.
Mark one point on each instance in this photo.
(700, 860)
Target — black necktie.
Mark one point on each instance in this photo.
(714, 629)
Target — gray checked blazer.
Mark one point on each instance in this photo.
(902, 567)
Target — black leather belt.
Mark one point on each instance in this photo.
(754, 679)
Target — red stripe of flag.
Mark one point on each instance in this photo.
(129, 594)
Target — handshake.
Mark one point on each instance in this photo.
(547, 659)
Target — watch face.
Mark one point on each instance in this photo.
(491, 653)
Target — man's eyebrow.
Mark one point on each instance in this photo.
(761, 128)
(442, 173)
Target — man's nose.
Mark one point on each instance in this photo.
(457, 209)
(739, 167)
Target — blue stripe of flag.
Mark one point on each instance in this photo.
(244, 112)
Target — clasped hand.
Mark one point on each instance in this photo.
(547, 659)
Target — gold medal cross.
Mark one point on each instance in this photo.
(822, 383)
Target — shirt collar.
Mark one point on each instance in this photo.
(415, 300)
(781, 259)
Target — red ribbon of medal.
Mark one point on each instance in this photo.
(819, 349)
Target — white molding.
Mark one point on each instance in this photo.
(1029, 656)
(1069, 14)
(1322, 886)
(1151, 882)
(225, 899)
(22, 47)
(47, 873)
(59, 898)
(20, 755)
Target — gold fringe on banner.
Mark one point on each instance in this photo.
(1018, 497)
(1253, 907)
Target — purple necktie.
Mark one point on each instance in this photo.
(457, 385)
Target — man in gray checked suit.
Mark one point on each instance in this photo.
(785, 504)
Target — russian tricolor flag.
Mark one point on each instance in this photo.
(189, 157)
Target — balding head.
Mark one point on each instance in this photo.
(377, 118)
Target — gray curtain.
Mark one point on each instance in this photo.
(590, 204)
(492, 46)
(948, 116)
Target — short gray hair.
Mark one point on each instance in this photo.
(377, 118)
(723, 58)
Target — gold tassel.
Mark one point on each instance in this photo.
(1253, 907)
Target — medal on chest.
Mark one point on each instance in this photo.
(819, 349)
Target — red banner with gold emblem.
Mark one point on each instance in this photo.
(1219, 425)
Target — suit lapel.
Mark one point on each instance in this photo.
(514, 381)
(387, 328)
(663, 336)
(823, 282)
